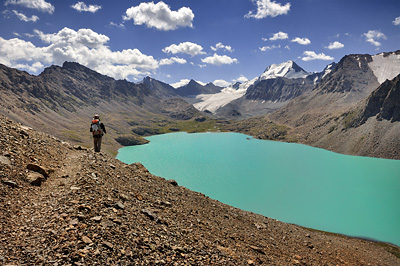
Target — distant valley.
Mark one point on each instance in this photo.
(350, 107)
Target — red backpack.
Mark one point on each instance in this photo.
(96, 129)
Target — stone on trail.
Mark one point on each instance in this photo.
(5, 160)
(39, 169)
(151, 214)
(108, 245)
(119, 205)
(10, 183)
(96, 218)
(86, 240)
(173, 182)
(35, 178)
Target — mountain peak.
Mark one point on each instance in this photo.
(288, 69)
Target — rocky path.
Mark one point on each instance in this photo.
(95, 210)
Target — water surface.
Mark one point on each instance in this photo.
(294, 183)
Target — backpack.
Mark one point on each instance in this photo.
(96, 129)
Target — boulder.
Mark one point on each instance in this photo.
(35, 178)
(39, 169)
(173, 182)
(4, 160)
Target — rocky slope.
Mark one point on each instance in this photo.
(62, 100)
(383, 103)
(371, 128)
(322, 117)
(64, 205)
(266, 96)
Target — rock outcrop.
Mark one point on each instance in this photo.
(384, 102)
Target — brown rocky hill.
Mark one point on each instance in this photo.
(65, 205)
(371, 128)
(62, 100)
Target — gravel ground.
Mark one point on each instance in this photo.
(65, 205)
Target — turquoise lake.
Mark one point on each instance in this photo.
(294, 183)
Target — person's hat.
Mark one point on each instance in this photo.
(96, 116)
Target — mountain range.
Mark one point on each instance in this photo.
(318, 109)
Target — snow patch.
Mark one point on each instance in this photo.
(385, 67)
(212, 102)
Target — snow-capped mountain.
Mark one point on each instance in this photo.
(287, 72)
(280, 83)
(288, 69)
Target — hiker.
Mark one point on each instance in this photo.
(98, 129)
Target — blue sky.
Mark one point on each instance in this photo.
(220, 41)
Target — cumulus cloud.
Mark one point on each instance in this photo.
(335, 45)
(302, 41)
(267, 48)
(180, 83)
(22, 17)
(241, 79)
(221, 83)
(222, 47)
(310, 55)
(219, 60)
(278, 36)
(83, 46)
(269, 8)
(160, 16)
(40, 5)
(22, 54)
(373, 35)
(82, 7)
(184, 48)
(172, 60)
(396, 21)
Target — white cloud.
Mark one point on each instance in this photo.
(221, 46)
(279, 36)
(241, 79)
(373, 35)
(221, 83)
(180, 83)
(72, 38)
(113, 24)
(82, 7)
(40, 5)
(172, 60)
(310, 55)
(335, 45)
(184, 48)
(83, 46)
(21, 54)
(302, 41)
(268, 8)
(25, 18)
(267, 48)
(160, 16)
(396, 21)
(219, 60)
